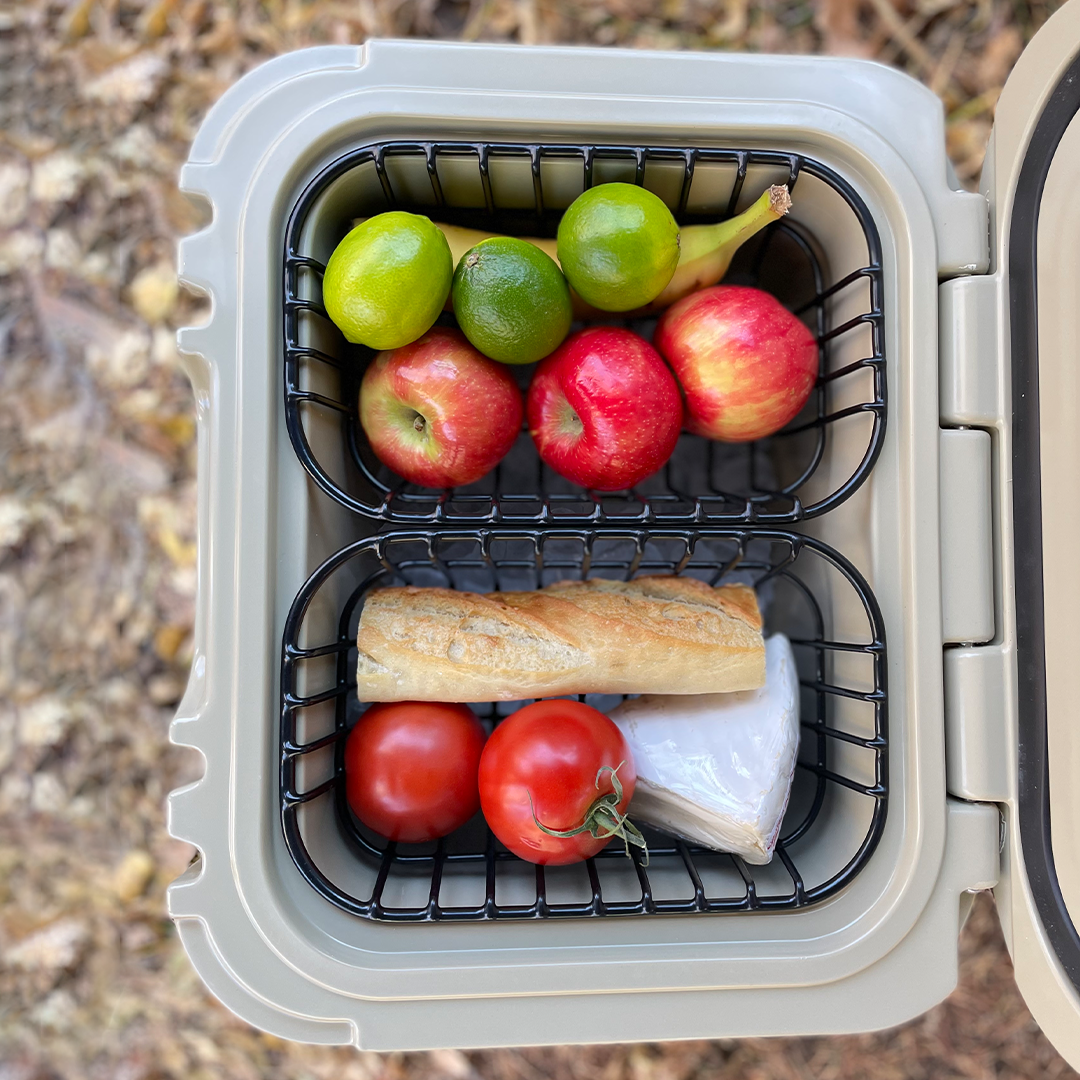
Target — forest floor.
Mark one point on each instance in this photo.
(99, 100)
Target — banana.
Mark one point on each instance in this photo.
(705, 251)
(462, 240)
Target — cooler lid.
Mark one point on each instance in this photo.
(1031, 175)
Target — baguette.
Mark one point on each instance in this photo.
(657, 635)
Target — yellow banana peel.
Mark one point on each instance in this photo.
(705, 251)
(462, 240)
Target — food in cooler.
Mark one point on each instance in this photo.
(604, 409)
(618, 246)
(411, 769)
(439, 412)
(658, 634)
(388, 280)
(716, 769)
(745, 363)
(555, 781)
(511, 300)
(706, 251)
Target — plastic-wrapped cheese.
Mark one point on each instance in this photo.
(716, 769)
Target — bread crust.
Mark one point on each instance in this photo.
(657, 635)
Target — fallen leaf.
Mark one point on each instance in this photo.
(15, 520)
(14, 192)
(55, 947)
(154, 291)
(130, 83)
(132, 876)
(57, 178)
(44, 721)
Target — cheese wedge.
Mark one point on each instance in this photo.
(716, 769)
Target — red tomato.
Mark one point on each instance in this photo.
(563, 755)
(410, 769)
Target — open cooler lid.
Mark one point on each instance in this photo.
(1030, 179)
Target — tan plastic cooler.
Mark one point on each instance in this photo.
(914, 531)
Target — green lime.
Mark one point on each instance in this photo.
(618, 246)
(388, 280)
(511, 300)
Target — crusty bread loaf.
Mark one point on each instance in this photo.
(655, 635)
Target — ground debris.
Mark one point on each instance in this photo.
(99, 100)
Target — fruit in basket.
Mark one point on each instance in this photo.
(511, 300)
(437, 411)
(462, 240)
(745, 363)
(604, 410)
(705, 251)
(618, 246)
(411, 769)
(387, 281)
(555, 780)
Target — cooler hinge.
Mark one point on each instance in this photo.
(978, 739)
(967, 542)
(969, 352)
(971, 396)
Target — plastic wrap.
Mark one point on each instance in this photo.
(716, 769)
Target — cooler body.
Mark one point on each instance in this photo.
(896, 531)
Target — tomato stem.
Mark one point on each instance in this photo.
(603, 819)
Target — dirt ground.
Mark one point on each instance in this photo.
(99, 100)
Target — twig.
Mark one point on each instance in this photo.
(898, 29)
(985, 102)
(943, 73)
(914, 26)
(477, 20)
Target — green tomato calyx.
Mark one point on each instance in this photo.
(603, 819)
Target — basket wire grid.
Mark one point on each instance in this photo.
(490, 559)
(704, 482)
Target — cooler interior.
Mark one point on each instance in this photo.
(717, 512)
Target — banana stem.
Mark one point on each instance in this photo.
(771, 206)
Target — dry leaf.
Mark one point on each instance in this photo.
(130, 83)
(132, 876)
(998, 57)
(154, 291)
(56, 946)
(14, 191)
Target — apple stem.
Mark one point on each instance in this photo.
(419, 422)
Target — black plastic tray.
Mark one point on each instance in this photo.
(843, 758)
(762, 482)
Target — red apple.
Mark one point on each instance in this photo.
(745, 363)
(438, 412)
(604, 409)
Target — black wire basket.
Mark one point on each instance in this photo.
(773, 481)
(807, 591)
